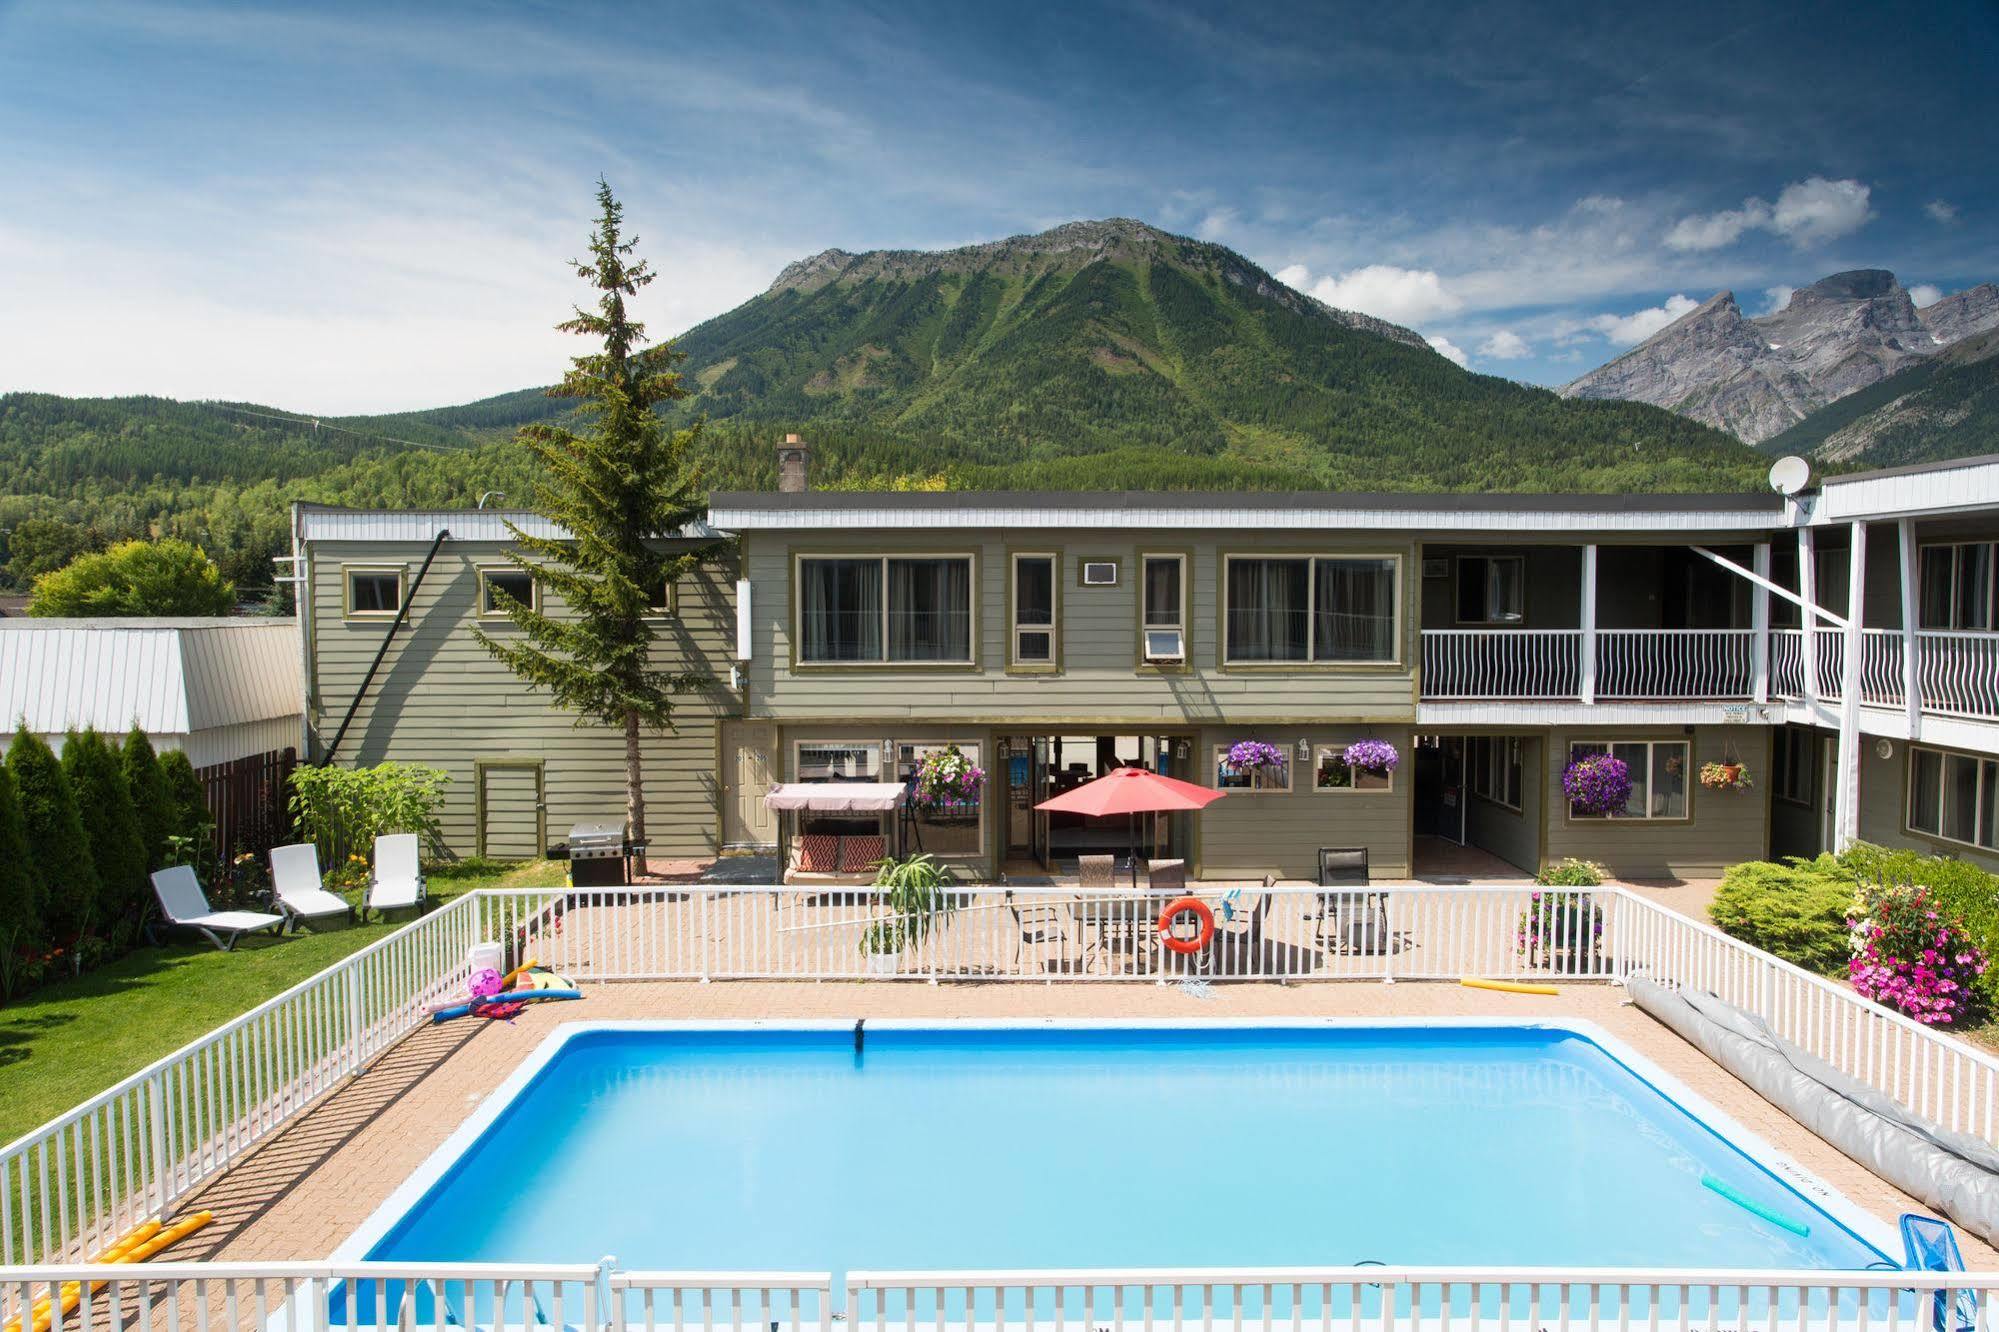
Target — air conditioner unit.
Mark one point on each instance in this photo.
(1100, 573)
(1165, 645)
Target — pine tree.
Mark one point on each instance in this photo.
(151, 800)
(66, 874)
(117, 847)
(20, 920)
(620, 489)
(187, 835)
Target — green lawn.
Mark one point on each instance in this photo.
(66, 1042)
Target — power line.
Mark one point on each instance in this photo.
(318, 424)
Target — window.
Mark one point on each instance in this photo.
(515, 583)
(838, 761)
(1034, 611)
(1331, 773)
(1261, 780)
(1658, 777)
(1791, 764)
(1492, 589)
(1493, 767)
(1099, 573)
(374, 592)
(1311, 609)
(665, 599)
(1954, 796)
(1957, 589)
(885, 609)
(956, 828)
(1163, 607)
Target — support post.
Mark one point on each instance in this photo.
(1808, 588)
(1912, 690)
(1846, 795)
(1588, 618)
(1759, 622)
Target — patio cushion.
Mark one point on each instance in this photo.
(819, 853)
(860, 854)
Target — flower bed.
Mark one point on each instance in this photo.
(1912, 956)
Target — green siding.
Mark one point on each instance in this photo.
(1884, 803)
(1722, 827)
(440, 699)
(1512, 835)
(1248, 835)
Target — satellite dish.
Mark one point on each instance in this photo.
(1789, 475)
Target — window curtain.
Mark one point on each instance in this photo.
(1162, 593)
(841, 610)
(929, 610)
(1034, 593)
(1267, 610)
(1354, 617)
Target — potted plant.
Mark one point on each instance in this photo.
(1376, 758)
(1725, 776)
(947, 778)
(1562, 929)
(1597, 784)
(1249, 755)
(909, 893)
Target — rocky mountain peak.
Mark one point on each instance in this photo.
(1859, 284)
(1963, 314)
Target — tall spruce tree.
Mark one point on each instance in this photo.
(65, 873)
(151, 800)
(20, 917)
(117, 846)
(622, 489)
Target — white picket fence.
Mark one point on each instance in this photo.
(136, 1150)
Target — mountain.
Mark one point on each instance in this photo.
(1758, 377)
(1945, 406)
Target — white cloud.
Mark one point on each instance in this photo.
(1818, 209)
(1776, 298)
(1711, 231)
(1217, 224)
(1404, 295)
(1444, 346)
(1807, 212)
(1925, 293)
(1941, 211)
(1505, 345)
(1625, 330)
(1295, 276)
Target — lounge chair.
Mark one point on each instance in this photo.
(186, 907)
(1166, 876)
(1353, 918)
(396, 884)
(301, 895)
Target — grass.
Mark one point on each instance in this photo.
(66, 1042)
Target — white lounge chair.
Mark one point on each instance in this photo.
(301, 895)
(186, 907)
(397, 882)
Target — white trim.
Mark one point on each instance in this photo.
(418, 525)
(486, 572)
(1525, 523)
(1448, 715)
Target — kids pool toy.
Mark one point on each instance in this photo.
(1748, 1204)
(480, 1005)
(1506, 987)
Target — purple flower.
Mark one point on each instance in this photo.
(1255, 754)
(1375, 756)
(1597, 784)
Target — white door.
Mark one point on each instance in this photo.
(747, 752)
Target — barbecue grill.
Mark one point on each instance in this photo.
(597, 853)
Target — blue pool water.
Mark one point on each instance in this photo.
(1063, 1147)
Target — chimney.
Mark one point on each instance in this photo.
(793, 458)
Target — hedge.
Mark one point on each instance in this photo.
(117, 847)
(65, 873)
(20, 922)
(1796, 910)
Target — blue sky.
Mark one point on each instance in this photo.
(353, 208)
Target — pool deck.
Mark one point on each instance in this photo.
(305, 1191)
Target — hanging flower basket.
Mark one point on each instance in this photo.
(1725, 776)
(947, 778)
(1247, 755)
(1597, 784)
(1377, 758)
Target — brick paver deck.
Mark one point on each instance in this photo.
(311, 1186)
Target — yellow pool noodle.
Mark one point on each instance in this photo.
(1506, 987)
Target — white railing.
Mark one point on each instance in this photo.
(131, 1152)
(1502, 663)
(1957, 673)
(80, 1181)
(1675, 663)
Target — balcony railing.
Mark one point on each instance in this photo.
(1957, 672)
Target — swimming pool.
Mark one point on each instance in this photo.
(1041, 1145)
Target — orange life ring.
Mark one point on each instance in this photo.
(1200, 940)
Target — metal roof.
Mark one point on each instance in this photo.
(172, 677)
(1958, 486)
(318, 522)
(770, 510)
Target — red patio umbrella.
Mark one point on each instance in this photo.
(1132, 791)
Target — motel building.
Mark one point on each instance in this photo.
(1836, 644)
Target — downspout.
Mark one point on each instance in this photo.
(402, 614)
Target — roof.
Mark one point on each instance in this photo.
(1956, 486)
(171, 677)
(774, 510)
(321, 522)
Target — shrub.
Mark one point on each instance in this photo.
(1797, 911)
(65, 874)
(1961, 888)
(152, 802)
(910, 894)
(117, 847)
(188, 836)
(343, 810)
(1573, 873)
(20, 922)
(1914, 955)
(166, 577)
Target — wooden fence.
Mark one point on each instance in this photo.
(249, 800)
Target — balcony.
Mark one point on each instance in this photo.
(1956, 673)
